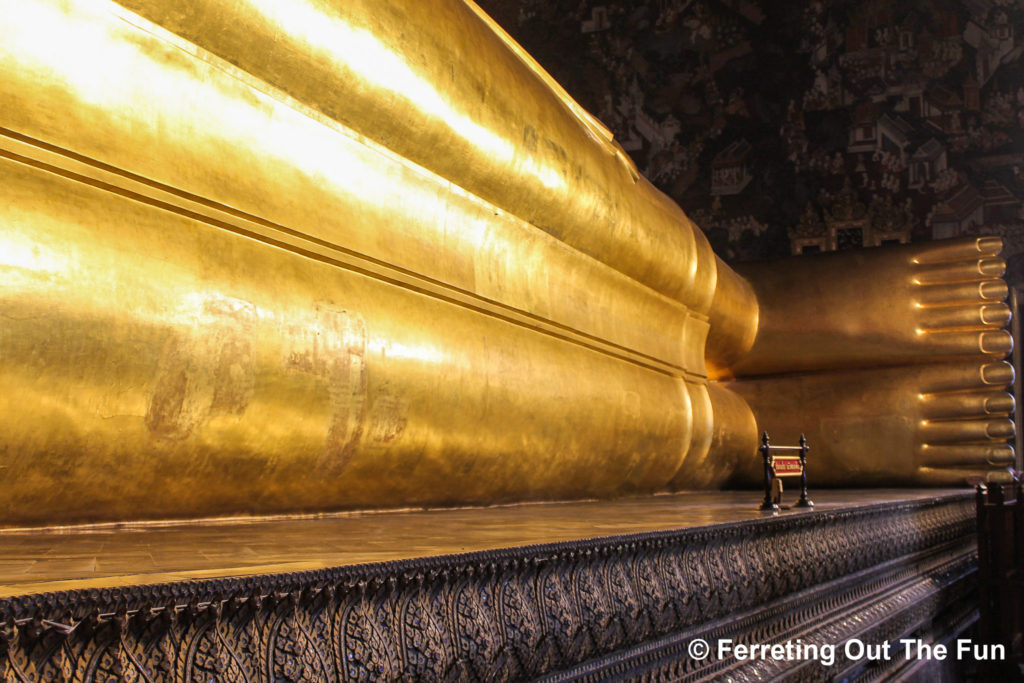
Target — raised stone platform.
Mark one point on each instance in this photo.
(575, 591)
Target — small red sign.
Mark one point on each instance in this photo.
(786, 465)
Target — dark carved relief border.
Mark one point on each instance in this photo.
(512, 614)
(882, 604)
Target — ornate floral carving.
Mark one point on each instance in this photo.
(520, 617)
(368, 648)
(596, 610)
(622, 606)
(297, 655)
(428, 645)
(563, 626)
(215, 655)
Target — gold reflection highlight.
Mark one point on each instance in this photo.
(374, 62)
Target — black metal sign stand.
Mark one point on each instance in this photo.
(768, 505)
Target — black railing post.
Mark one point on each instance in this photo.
(768, 504)
(986, 632)
(1014, 567)
(803, 502)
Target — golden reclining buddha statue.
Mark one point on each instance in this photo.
(266, 257)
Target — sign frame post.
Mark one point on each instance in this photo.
(767, 505)
(803, 502)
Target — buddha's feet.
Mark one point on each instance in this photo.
(889, 360)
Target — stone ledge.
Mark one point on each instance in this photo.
(505, 614)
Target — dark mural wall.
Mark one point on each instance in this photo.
(790, 127)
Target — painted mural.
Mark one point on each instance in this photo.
(796, 127)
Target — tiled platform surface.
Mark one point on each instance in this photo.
(34, 561)
(581, 591)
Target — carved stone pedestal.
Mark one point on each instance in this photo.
(614, 607)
